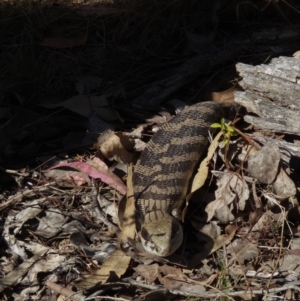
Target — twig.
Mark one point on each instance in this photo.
(14, 172)
(106, 297)
(64, 291)
(247, 138)
(27, 192)
(143, 285)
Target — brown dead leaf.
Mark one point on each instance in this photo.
(183, 286)
(59, 42)
(115, 146)
(224, 96)
(170, 270)
(149, 272)
(230, 187)
(128, 222)
(202, 173)
(224, 239)
(136, 133)
(173, 279)
(116, 264)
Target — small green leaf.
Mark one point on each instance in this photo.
(216, 125)
(229, 129)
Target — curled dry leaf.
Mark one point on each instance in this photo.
(128, 218)
(224, 239)
(202, 173)
(136, 133)
(230, 187)
(224, 96)
(115, 146)
(116, 264)
(264, 165)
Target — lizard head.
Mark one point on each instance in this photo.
(163, 237)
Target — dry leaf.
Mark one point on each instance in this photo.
(175, 280)
(128, 223)
(14, 276)
(283, 185)
(98, 170)
(116, 264)
(149, 272)
(170, 270)
(230, 187)
(68, 177)
(243, 250)
(223, 240)
(212, 230)
(113, 146)
(202, 173)
(224, 215)
(224, 96)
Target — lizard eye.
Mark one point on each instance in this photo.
(145, 234)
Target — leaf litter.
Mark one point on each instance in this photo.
(50, 219)
(68, 224)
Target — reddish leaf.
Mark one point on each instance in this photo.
(98, 170)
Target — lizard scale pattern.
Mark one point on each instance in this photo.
(164, 170)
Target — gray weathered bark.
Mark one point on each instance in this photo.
(273, 93)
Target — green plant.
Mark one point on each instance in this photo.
(227, 130)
